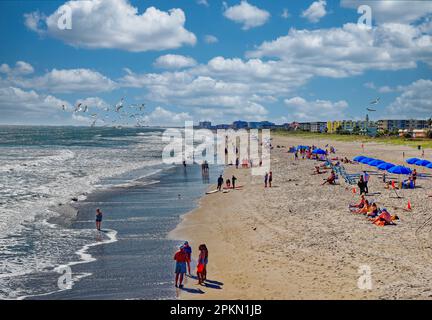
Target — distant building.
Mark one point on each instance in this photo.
(240, 125)
(415, 133)
(293, 126)
(261, 125)
(305, 126)
(320, 127)
(205, 125)
(223, 126)
(396, 125)
(332, 126)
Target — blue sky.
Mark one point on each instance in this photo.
(214, 60)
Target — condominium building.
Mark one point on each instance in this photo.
(394, 125)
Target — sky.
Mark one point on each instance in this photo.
(196, 60)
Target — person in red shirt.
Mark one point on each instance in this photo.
(181, 258)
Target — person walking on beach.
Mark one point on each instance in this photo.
(266, 180)
(366, 180)
(270, 179)
(237, 162)
(188, 250)
(180, 258)
(233, 180)
(220, 182)
(361, 185)
(99, 215)
(202, 264)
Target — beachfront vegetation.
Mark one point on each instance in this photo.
(386, 139)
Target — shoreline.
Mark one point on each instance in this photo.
(298, 239)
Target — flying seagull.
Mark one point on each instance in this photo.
(376, 101)
(119, 105)
(371, 110)
(78, 107)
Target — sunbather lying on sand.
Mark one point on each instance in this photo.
(383, 219)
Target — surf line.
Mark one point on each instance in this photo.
(85, 257)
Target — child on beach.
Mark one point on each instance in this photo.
(266, 180)
(188, 250)
(180, 269)
(202, 264)
(99, 215)
(228, 183)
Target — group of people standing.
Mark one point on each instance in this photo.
(183, 258)
(363, 183)
(230, 184)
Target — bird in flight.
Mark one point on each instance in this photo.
(376, 101)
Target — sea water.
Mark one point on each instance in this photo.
(119, 170)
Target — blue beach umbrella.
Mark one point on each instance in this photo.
(300, 147)
(375, 163)
(319, 151)
(399, 170)
(422, 163)
(358, 158)
(429, 166)
(385, 166)
(412, 160)
(365, 160)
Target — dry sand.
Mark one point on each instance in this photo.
(298, 240)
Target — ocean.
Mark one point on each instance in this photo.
(52, 179)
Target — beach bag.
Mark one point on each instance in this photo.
(200, 268)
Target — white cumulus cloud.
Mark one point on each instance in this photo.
(174, 61)
(317, 110)
(414, 102)
(248, 15)
(316, 11)
(20, 68)
(209, 39)
(116, 24)
(397, 11)
(67, 81)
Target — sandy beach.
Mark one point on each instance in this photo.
(298, 240)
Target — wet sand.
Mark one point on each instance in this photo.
(298, 240)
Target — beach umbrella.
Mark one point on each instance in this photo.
(429, 166)
(366, 160)
(385, 166)
(412, 160)
(375, 163)
(422, 163)
(399, 170)
(319, 151)
(358, 158)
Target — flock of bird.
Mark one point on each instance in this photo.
(115, 116)
(132, 113)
